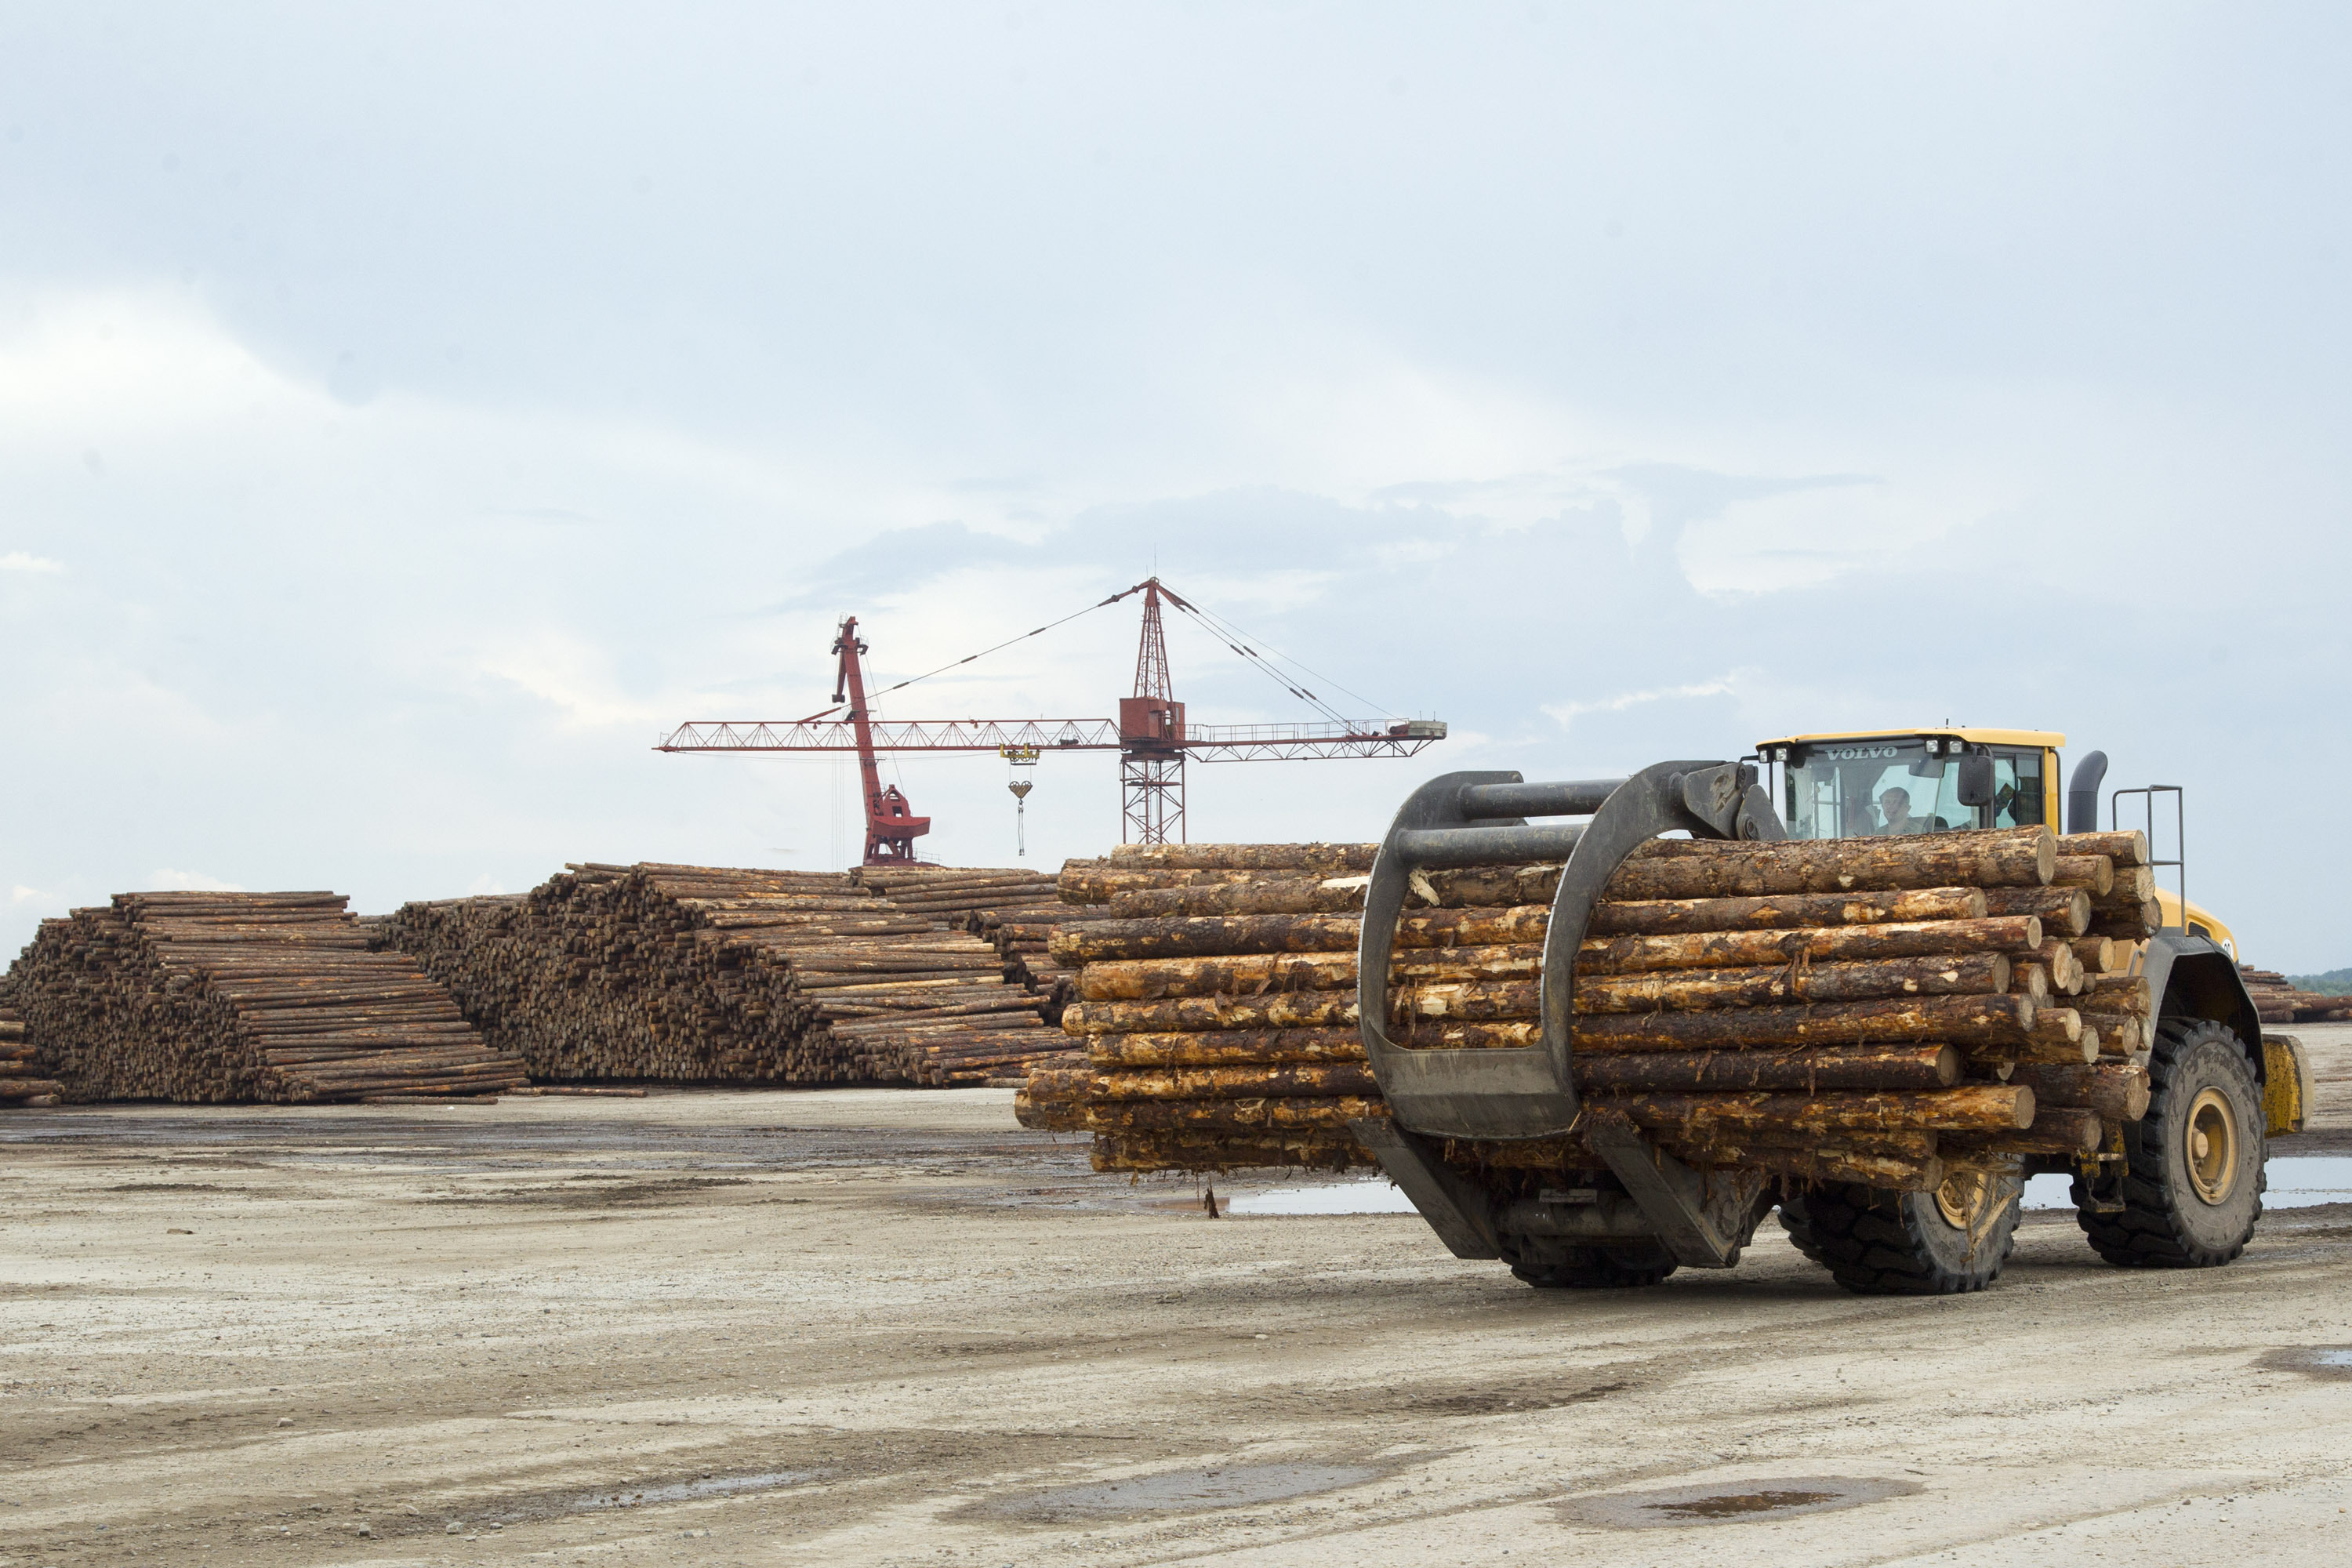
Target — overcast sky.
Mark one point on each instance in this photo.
(409, 411)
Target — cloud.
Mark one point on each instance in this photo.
(1816, 532)
(1566, 713)
(166, 879)
(19, 561)
(569, 675)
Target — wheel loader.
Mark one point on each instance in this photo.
(2181, 1186)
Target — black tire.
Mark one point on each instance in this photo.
(2171, 1218)
(1880, 1243)
(1591, 1268)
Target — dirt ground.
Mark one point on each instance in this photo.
(891, 1328)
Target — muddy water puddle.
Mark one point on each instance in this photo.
(687, 1491)
(2329, 1362)
(1335, 1197)
(1781, 1497)
(1186, 1492)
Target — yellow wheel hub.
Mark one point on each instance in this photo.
(2212, 1138)
(1961, 1199)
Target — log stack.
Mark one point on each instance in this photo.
(2279, 1001)
(23, 1079)
(714, 974)
(210, 997)
(1016, 911)
(1870, 1010)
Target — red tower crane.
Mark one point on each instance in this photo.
(1151, 735)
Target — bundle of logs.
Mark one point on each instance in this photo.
(1016, 912)
(1870, 1010)
(711, 974)
(23, 1081)
(220, 996)
(2279, 1001)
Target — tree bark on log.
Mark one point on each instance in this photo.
(2064, 911)
(1822, 944)
(2095, 874)
(2056, 1130)
(2126, 848)
(2056, 956)
(1674, 917)
(2129, 924)
(2097, 955)
(1191, 1014)
(1691, 1119)
(2120, 1033)
(2000, 1020)
(1698, 869)
(2120, 994)
(1809, 1167)
(1330, 860)
(1236, 1047)
(1219, 1152)
(1291, 896)
(1295, 1080)
(1811, 1070)
(2115, 1091)
(1689, 989)
(1234, 1115)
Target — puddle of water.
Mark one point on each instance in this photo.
(1186, 1492)
(1343, 1197)
(2331, 1362)
(1724, 1505)
(2298, 1182)
(683, 1492)
(1784, 1497)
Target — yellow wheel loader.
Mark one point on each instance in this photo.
(2177, 1186)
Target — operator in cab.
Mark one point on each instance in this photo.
(1894, 805)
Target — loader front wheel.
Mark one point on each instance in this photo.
(1879, 1243)
(1592, 1269)
(2192, 1188)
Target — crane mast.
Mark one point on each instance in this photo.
(1151, 739)
(891, 825)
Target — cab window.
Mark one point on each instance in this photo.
(2017, 798)
(1865, 789)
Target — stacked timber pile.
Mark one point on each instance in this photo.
(952, 895)
(213, 998)
(2278, 1000)
(22, 1079)
(1865, 1010)
(701, 973)
(1015, 911)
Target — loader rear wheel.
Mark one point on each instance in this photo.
(1591, 1268)
(1879, 1243)
(2192, 1187)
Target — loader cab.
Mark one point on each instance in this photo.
(1891, 782)
(1837, 786)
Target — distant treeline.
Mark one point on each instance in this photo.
(2334, 982)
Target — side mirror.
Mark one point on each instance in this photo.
(1975, 781)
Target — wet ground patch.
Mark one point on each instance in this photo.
(1193, 1490)
(2329, 1362)
(1731, 1502)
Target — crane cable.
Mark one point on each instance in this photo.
(983, 653)
(1224, 631)
(1234, 638)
